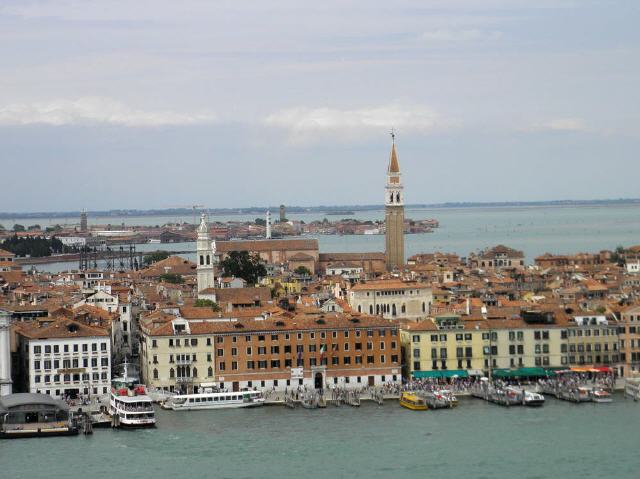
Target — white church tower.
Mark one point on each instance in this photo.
(268, 235)
(5, 354)
(205, 256)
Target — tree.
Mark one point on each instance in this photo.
(302, 271)
(154, 257)
(172, 278)
(618, 255)
(18, 228)
(203, 303)
(34, 247)
(53, 229)
(35, 227)
(243, 265)
(2, 228)
(261, 222)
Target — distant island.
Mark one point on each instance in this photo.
(322, 209)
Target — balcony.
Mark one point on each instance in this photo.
(184, 362)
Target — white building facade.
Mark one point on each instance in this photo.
(391, 299)
(66, 366)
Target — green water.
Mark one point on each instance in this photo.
(477, 440)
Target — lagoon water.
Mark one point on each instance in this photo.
(534, 230)
(476, 440)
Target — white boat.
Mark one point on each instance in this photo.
(129, 404)
(533, 399)
(632, 388)
(214, 400)
(153, 241)
(600, 395)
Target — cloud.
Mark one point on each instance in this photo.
(562, 124)
(93, 110)
(446, 35)
(304, 123)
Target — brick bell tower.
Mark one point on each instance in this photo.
(394, 212)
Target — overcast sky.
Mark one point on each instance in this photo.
(163, 103)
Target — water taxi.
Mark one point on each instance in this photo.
(600, 395)
(413, 401)
(129, 405)
(214, 400)
(533, 399)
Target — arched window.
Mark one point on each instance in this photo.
(195, 372)
(404, 308)
(371, 309)
(172, 373)
(391, 198)
(424, 307)
(155, 374)
(398, 197)
(187, 371)
(210, 371)
(201, 260)
(377, 309)
(208, 259)
(359, 308)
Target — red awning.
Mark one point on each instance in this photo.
(602, 369)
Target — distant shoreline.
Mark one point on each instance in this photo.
(329, 210)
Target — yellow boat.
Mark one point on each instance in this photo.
(413, 401)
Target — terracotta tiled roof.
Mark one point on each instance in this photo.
(387, 284)
(267, 245)
(61, 328)
(501, 249)
(298, 322)
(334, 257)
(172, 264)
(243, 295)
(301, 257)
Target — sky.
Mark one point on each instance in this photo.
(155, 103)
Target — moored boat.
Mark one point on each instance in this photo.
(600, 395)
(533, 399)
(412, 401)
(632, 388)
(214, 400)
(129, 405)
(440, 399)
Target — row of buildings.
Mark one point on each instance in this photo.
(358, 319)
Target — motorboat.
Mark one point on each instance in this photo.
(600, 395)
(412, 401)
